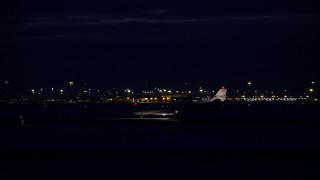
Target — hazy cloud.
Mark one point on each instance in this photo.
(94, 21)
(106, 20)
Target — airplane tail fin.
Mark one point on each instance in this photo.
(221, 95)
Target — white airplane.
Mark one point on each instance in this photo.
(219, 97)
(162, 113)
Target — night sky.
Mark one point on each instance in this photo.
(137, 44)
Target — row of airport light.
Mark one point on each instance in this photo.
(201, 90)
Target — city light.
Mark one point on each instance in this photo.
(150, 96)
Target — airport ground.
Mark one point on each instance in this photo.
(252, 148)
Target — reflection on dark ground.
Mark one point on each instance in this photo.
(162, 149)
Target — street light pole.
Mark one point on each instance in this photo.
(71, 90)
(52, 95)
(249, 89)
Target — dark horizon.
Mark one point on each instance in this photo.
(142, 44)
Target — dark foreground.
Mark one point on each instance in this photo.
(267, 149)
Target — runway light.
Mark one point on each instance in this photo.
(311, 90)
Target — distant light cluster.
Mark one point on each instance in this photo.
(74, 94)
